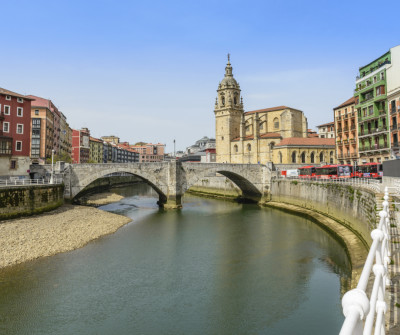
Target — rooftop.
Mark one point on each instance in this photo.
(271, 109)
(327, 124)
(348, 102)
(307, 141)
(13, 94)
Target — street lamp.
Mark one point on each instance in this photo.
(52, 169)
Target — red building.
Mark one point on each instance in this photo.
(80, 146)
(15, 128)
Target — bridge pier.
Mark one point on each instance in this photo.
(173, 202)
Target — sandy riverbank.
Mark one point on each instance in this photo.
(102, 199)
(67, 228)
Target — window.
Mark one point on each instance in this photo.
(6, 110)
(20, 100)
(370, 110)
(303, 157)
(248, 147)
(262, 125)
(382, 76)
(20, 128)
(18, 146)
(8, 97)
(364, 112)
(235, 148)
(375, 79)
(294, 157)
(280, 157)
(312, 157)
(6, 127)
(276, 123)
(20, 111)
(321, 157)
(13, 165)
(36, 112)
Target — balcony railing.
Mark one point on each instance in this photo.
(346, 129)
(373, 147)
(340, 130)
(394, 127)
(353, 127)
(395, 145)
(373, 69)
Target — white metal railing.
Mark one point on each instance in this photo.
(24, 182)
(365, 315)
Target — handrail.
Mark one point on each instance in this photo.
(360, 311)
(26, 182)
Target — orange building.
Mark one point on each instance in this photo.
(346, 132)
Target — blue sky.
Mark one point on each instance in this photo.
(148, 71)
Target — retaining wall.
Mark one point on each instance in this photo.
(353, 207)
(29, 200)
(216, 187)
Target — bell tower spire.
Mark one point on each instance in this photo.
(228, 114)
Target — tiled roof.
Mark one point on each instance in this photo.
(307, 141)
(313, 135)
(271, 109)
(7, 92)
(270, 135)
(95, 139)
(327, 124)
(347, 102)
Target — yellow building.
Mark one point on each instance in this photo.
(96, 150)
(262, 135)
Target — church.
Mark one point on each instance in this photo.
(277, 134)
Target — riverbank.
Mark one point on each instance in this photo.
(67, 228)
(102, 199)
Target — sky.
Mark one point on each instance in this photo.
(149, 70)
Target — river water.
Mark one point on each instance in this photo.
(214, 267)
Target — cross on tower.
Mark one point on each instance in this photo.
(228, 57)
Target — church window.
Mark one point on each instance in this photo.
(312, 157)
(321, 157)
(248, 147)
(235, 100)
(222, 138)
(276, 123)
(303, 157)
(280, 157)
(235, 148)
(294, 157)
(262, 125)
(223, 101)
(271, 145)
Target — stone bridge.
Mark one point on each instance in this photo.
(172, 179)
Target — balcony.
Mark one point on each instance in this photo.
(346, 129)
(374, 147)
(346, 142)
(373, 69)
(394, 127)
(382, 112)
(353, 127)
(392, 110)
(5, 146)
(340, 156)
(395, 145)
(352, 141)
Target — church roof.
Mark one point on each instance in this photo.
(271, 109)
(306, 141)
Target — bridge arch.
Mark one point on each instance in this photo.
(250, 192)
(84, 181)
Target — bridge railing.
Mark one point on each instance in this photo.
(26, 182)
(369, 183)
(364, 314)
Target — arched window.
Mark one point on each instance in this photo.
(331, 157)
(235, 148)
(248, 147)
(303, 157)
(235, 100)
(294, 157)
(312, 157)
(280, 157)
(223, 101)
(321, 157)
(276, 123)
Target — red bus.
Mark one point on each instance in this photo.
(334, 171)
(370, 170)
(307, 172)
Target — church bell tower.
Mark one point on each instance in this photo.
(228, 115)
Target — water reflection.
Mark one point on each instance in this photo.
(213, 268)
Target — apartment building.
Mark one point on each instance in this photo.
(80, 146)
(15, 128)
(346, 132)
(150, 152)
(326, 130)
(96, 150)
(371, 104)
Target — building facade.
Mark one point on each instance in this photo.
(371, 94)
(326, 130)
(15, 128)
(346, 121)
(150, 152)
(96, 150)
(80, 146)
(278, 134)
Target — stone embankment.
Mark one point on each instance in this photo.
(67, 228)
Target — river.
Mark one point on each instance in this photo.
(214, 267)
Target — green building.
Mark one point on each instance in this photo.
(371, 105)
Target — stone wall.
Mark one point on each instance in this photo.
(29, 200)
(353, 207)
(216, 187)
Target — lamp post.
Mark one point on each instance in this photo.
(174, 150)
(52, 169)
